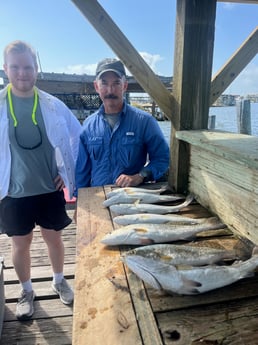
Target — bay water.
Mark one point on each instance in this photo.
(226, 120)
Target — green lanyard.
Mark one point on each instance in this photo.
(35, 104)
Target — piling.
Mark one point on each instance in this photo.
(212, 122)
(244, 116)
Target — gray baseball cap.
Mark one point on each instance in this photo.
(110, 65)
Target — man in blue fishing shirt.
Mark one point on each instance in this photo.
(119, 144)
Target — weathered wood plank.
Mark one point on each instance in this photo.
(232, 323)
(107, 316)
(42, 273)
(224, 175)
(42, 289)
(104, 24)
(52, 320)
(149, 331)
(234, 66)
(163, 302)
(45, 331)
(49, 308)
(239, 148)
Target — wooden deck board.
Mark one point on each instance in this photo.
(52, 320)
(103, 286)
(97, 319)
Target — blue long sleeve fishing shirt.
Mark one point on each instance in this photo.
(105, 154)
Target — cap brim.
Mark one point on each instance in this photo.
(110, 70)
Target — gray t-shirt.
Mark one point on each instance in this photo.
(112, 119)
(32, 170)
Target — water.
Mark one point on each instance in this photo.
(226, 120)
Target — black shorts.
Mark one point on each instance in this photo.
(18, 216)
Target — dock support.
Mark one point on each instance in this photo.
(244, 116)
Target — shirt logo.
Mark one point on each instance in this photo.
(130, 134)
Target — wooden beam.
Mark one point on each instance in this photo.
(110, 32)
(195, 27)
(234, 66)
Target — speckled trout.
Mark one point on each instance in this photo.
(189, 280)
(147, 198)
(149, 208)
(179, 254)
(139, 218)
(131, 190)
(144, 234)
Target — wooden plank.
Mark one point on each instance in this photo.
(42, 289)
(239, 148)
(42, 273)
(107, 316)
(161, 302)
(50, 308)
(233, 323)
(110, 32)
(45, 331)
(235, 210)
(195, 28)
(52, 320)
(224, 177)
(234, 66)
(145, 317)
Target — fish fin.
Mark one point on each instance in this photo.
(146, 276)
(191, 286)
(136, 202)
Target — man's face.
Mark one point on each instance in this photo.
(111, 88)
(21, 71)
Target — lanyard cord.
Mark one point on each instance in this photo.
(35, 104)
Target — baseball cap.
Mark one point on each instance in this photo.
(110, 65)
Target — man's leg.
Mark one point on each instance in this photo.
(22, 266)
(55, 246)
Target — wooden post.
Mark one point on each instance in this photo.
(195, 27)
(212, 122)
(244, 116)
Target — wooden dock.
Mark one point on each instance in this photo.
(112, 306)
(52, 320)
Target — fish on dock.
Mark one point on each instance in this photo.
(150, 208)
(153, 218)
(144, 234)
(147, 198)
(180, 254)
(189, 280)
(131, 190)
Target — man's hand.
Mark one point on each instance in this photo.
(129, 180)
(59, 183)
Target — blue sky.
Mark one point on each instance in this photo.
(67, 43)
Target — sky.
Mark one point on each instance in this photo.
(67, 43)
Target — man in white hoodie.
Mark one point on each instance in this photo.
(39, 139)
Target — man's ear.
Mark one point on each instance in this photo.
(125, 85)
(95, 83)
(5, 68)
